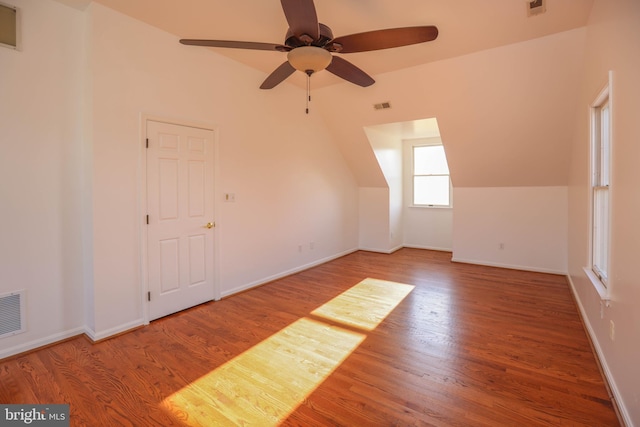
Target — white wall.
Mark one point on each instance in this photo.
(530, 222)
(41, 173)
(506, 117)
(72, 168)
(373, 220)
(613, 43)
(292, 187)
(505, 114)
(425, 228)
(388, 151)
(407, 226)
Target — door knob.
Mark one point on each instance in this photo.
(210, 224)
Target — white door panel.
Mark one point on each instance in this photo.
(180, 204)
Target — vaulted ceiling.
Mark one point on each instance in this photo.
(465, 26)
(502, 85)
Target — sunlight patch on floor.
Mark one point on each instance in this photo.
(265, 384)
(366, 304)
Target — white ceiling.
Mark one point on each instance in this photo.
(465, 26)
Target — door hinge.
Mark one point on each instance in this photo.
(149, 296)
(147, 142)
(147, 219)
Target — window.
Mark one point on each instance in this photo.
(600, 193)
(431, 183)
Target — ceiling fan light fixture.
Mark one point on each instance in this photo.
(310, 45)
(309, 58)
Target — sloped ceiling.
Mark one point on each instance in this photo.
(506, 115)
(465, 26)
(503, 86)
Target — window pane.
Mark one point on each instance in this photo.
(601, 146)
(430, 160)
(431, 190)
(601, 232)
(604, 145)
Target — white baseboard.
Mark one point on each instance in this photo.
(381, 251)
(397, 248)
(429, 248)
(41, 342)
(624, 413)
(376, 250)
(61, 336)
(286, 273)
(97, 336)
(101, 335)
(509, 266)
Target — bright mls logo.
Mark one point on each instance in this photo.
(35, 415)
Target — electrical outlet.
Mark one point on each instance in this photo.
(612, 330)
(312, 245)
(501, 246)
(299, 248)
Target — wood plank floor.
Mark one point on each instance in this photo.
(469, 346)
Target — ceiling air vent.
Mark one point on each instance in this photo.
(536, 7)
(382, 106)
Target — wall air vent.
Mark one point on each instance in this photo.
(382, 106)
(9, 26)
(536, 7)
(12, 313)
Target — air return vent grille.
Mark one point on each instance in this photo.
(536, 7)
(9, 26)
(12, 319)
(382, 106)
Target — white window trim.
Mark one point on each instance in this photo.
(413, 174)
(603, 292)
(603, 97)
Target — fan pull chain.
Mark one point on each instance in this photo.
(309, 72)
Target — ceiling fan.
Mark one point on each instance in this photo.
(310, 45)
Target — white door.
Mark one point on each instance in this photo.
(180, 228)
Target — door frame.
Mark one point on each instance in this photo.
(142, 203)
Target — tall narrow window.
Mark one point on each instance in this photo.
(431, 183)
(601, 171)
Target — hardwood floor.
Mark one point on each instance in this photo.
(468, 346)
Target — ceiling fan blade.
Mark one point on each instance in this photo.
(345, 69)
(385, 39)
(301, 17)
(236, 44)
(278, 76)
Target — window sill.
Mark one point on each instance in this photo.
(430, 207)
(597, 284)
